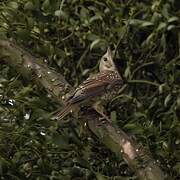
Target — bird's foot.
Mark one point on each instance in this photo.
(100, 109)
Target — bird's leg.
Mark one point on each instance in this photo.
(101, 110)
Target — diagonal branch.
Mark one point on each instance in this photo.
(114, 138)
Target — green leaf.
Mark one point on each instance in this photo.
(99, 176)
(24, 92)
(171, 27)
(127, 72)
(133, 128)
(13, 5)
(96, 17)
(46, 5)
(139, 115)
(173, 19)
(162, 26)
(167, 100)
(29, 6)
(61, 13)
(97, 43)
(113, 116)
(135, 22)
(92, 37)
(146, 24)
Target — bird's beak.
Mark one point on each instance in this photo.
(109, 52)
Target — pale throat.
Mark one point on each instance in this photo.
(104, 67)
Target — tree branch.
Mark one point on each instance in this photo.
(114, 138)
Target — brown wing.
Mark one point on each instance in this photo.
(94, 86)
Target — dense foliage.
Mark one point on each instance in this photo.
(71, 36)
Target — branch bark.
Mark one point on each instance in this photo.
(114, 138)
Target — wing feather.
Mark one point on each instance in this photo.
(93, 86)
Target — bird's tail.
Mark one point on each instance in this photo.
(64, 112)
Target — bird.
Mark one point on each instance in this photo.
(95, 86)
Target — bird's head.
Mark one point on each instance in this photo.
(106, 62)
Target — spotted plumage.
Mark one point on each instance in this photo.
(95, 86)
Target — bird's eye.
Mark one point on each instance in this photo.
(105, 59)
